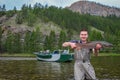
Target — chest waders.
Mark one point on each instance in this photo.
(82, 67)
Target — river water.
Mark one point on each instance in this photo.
(16, 68)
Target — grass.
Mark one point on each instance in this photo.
(33, 55)
(17, 55)
(108, 54)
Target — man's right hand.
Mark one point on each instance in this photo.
(65, 44)
(72, 45)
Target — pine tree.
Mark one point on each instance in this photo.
(0, 39)
(52, 40)
(17, 47)
(4, 8)
(9, 43)
(15, 9)
(38, 40)
(31, 19)
(46, 43)
(19, 18)
(94, 35)
(62, 38)
(26, 42)
(31, 43)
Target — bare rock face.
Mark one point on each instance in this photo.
(15, 29)
(2, 19)
(92, 8)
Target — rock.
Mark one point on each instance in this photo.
(92, 8)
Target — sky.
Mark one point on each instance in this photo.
(9, 4)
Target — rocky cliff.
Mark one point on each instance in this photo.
(93, 8)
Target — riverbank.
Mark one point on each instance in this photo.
(33, 55)
(17, 55)
(108, 54)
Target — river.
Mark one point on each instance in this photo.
(16, 68)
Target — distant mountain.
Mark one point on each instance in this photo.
(93, 8)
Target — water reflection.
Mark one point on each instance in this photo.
(105, 67)
(54, 70)
(34, 70)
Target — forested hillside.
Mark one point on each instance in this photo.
(70, 23)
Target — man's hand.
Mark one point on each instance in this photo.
(72, 45)
(98, 46)
(65, 44)
(96, 50)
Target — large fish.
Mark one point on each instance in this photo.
(92, 44)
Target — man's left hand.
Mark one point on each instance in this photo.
(98, 46)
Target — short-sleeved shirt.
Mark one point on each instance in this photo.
(76, 41)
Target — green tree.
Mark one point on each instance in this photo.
(10, 13)
(52, 40)
(9, 43)
(17, 47)
(15, 9)
(69, 34)
(27, 42)
(30, 42)
(117, 42)
(95, 35)
(62, 38)
(46, 43)
(0, 39)
(31, 19)
(4, 8)
(25, 12)
(39, 39)
(19, 18)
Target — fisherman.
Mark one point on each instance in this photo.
(82, 67)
